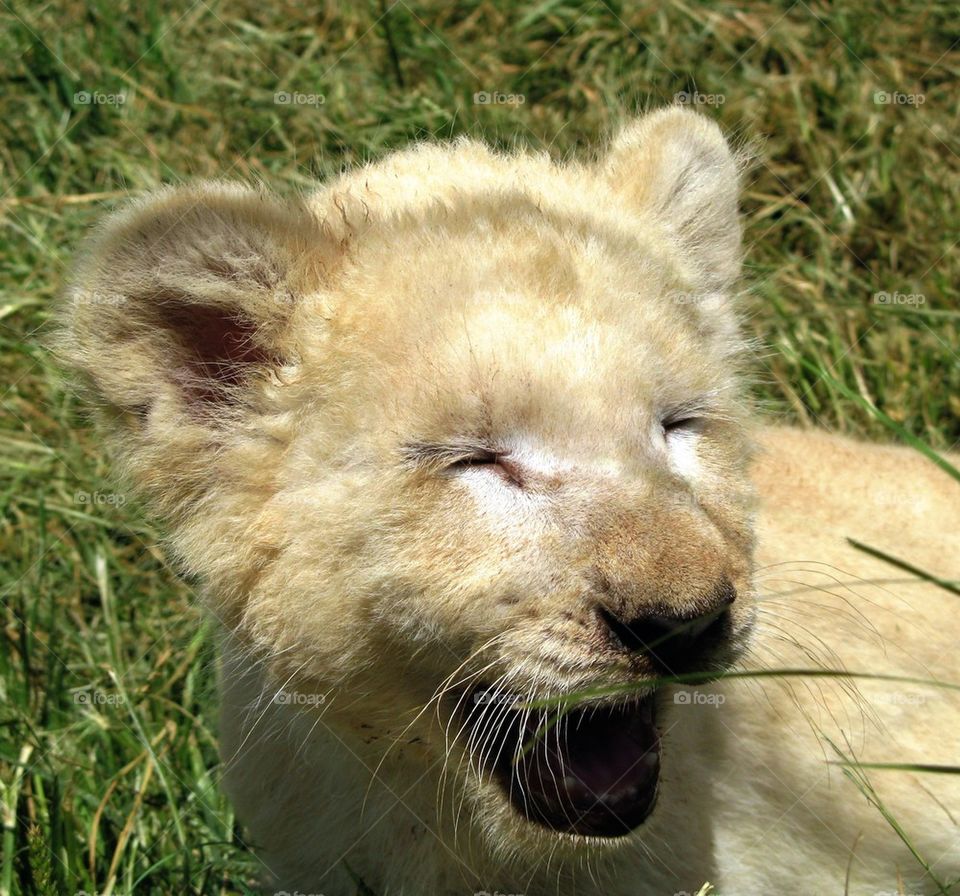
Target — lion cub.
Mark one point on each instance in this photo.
(463, 433)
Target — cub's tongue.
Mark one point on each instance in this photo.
(593, 773)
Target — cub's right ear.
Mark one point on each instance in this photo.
(184, 302)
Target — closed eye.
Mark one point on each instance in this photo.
(495, 462)
(680, 423)
(688, 416)
(453, 459)
(477, 458)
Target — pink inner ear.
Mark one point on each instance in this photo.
(219, 350)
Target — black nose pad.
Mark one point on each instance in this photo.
(673, 642)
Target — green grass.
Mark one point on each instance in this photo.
(851, 198)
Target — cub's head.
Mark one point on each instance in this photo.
(458, 433)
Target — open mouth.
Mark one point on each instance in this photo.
(592, 773)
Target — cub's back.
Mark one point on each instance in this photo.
(824, 603)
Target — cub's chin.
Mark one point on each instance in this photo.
(590, 777)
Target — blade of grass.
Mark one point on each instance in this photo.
(946, 584)
(919, 767)
(853, 771)
(908, 437)
(695, 678)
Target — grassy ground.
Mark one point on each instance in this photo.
(107, 750)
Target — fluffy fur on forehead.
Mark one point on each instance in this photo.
(670, 173)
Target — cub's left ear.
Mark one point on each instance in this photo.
(676, 166)
(184, 323)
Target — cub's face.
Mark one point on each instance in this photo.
(459, 434)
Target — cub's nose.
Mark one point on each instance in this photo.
(674, 640)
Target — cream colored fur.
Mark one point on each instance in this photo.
(450, 296)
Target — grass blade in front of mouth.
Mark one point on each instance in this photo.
(545, 726)
(577, 697)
